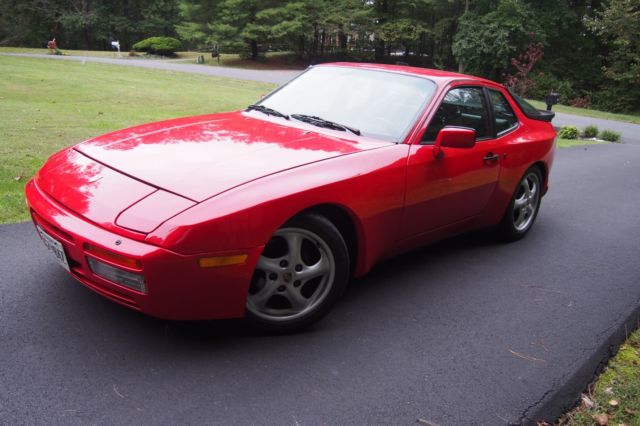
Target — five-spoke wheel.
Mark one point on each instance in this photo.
(300, 274)
(524, 206)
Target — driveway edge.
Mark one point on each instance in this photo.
(559, 400)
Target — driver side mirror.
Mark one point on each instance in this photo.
(453, 137)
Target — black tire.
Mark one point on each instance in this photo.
(513, 226)
(274, 311)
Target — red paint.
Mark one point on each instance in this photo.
(175, 191)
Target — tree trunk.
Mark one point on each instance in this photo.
(301, 46)
(379, 49)
(87, 38)
(461, 64)
(86, 31)
(254, 49)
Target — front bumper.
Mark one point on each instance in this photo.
(177, 288)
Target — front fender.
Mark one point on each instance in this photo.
(368, 185)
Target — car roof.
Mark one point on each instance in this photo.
(437, 75)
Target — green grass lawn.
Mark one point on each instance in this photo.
(567, 143)
(615, 396)
(47, 105)
(629, 118)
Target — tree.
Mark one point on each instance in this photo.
(194, 20)
(618, 24)
(235, 26)
(520, 81)
(484, 43)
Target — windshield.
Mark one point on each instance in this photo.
(379, 104)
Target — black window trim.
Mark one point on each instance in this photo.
(493, 120)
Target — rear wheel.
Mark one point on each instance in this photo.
(524, 206)
(299, 277)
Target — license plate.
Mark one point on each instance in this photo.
(54, 247)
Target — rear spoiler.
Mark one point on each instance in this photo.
(542, 115)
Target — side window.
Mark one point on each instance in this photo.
(505, 118)
(461, 107)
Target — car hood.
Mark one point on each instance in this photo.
(200, 157)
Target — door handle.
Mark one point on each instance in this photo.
(491, 157)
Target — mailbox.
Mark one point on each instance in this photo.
(551, 99)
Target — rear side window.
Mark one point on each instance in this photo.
(503, 114)
(461, 107)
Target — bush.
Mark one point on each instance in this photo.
(583, 102)
(610, 136)
(545, 83)
(590, 131)
(165, 46)
(617, 99)
(568, 132)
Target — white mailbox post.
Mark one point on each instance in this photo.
(116, 45)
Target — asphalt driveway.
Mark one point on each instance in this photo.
(469, 331)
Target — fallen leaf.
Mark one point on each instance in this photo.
(629, 411)
(588, 402)
(527, 357)
(17, 178)
(601, 419)
(115, 390)
(614, 403)
(427, 422)
(608, 391)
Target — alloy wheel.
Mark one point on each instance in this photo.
(293, 276)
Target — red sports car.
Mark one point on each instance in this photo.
(266, 213)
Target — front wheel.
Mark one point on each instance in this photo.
(524, 206)
(300, 275)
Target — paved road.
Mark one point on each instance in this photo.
(466, 332)
(630, 132)
(267, 76)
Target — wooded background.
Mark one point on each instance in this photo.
(588, 50)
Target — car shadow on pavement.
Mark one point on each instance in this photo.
(411, 273)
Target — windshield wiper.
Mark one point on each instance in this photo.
(321, 122)
(266, 110)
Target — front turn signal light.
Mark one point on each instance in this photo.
(214, 262)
